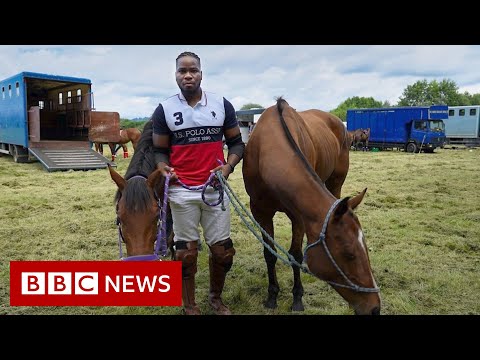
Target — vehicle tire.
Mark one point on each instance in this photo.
(411, 147)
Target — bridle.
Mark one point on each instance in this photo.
(321, 240)
(161, 241)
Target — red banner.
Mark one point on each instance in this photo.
(95, 283)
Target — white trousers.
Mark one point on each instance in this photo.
(189, 211)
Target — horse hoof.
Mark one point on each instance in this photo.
(298, 306)
(270, 304)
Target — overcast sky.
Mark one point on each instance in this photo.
(133, 79)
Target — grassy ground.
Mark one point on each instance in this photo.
(421, 218)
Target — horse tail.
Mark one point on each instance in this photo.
(346, 139)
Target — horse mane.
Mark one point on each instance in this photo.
(281, 104)
(136, 193)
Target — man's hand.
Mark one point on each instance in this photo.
(167, 170)
(226, 170)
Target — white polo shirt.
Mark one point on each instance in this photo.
(196, 133)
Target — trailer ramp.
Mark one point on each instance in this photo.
(55, 159)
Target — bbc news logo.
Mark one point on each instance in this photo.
(95, 283)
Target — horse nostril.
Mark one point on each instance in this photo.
(376, 310)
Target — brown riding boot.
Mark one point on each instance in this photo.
(220, 261)
(187, 253)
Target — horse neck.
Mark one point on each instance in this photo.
(309, 199)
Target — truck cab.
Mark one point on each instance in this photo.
(426, 134)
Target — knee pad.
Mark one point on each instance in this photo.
(222, 253)
(187, 253)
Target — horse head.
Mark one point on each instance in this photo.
(138, 213)
(340, 257)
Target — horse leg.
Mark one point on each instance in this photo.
(335, 182)
(125, 151)
(298, 231)
(112, 150)
(99, 148)
(266, 222)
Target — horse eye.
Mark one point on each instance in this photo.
(349, 256)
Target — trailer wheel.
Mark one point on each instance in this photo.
(411, 147)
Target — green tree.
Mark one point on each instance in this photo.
(127, 123)
(356, 102)
(475, 99)
(423, 93)
(251, 106)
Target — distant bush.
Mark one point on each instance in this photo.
(127, 123)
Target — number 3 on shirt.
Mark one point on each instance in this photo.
(179, 117)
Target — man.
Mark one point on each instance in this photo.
(187, 135)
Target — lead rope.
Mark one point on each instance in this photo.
(161, 243)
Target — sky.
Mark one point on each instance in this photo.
(133, 79)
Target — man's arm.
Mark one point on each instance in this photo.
(161, 141)
(235, 145)
(161, 150)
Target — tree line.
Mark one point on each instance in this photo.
(421, 93)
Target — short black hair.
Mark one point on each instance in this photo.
(188, 53)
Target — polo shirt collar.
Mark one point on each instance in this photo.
(203, 100)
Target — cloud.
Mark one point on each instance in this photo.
(133, 79)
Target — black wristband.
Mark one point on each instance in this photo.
(231, 167)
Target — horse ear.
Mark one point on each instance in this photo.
(341, 209)
(154, 177)
(356, 200)
(119, 180)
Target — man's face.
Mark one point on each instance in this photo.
(188, 74)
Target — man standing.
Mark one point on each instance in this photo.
(187, 135)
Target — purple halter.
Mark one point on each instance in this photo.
(161, 241)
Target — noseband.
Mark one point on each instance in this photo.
(321, 240)
(161, 241)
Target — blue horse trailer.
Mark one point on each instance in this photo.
(52, 119)
(413, 128)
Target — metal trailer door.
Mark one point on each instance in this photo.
(104, 126)
(77, 155)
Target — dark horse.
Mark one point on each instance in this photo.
(138, 199)
(126, 135)
(296, 163)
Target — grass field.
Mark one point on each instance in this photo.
(421, 218)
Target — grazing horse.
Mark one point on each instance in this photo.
(296, 163)
(360, 137)
(126, 135)
(139, 199)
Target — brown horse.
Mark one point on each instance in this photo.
(126, 135)
(296, 163)
(139, 200)
(359, 137)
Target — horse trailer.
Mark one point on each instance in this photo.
(247, 120)
(52, 119)
(413, 128)
(462, 127)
